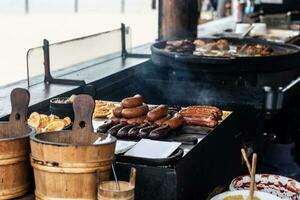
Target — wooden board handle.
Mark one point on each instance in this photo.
(19, 98)
(132, 177)
(83, 107)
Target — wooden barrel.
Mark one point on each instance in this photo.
(67, 165)
(15, 170)
(122, 190)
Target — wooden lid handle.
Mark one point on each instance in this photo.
(83, 107)
(132, 177)
(19, 98)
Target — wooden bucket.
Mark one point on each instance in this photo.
(66, 163)
(108, 190)
(15, 167)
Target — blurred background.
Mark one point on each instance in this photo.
(25, 23)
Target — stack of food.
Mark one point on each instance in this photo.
(133, 119)
(47, 123)
(103, 109)
(207, 116)
(179, 46)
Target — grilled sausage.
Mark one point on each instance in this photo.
(132, 102)
(204, 109)
(124, 120)
(137, 120)
(160, 121)
(176, 121)
(116, 120)
(144, 132)
(114, 130)
(160, 132)
(201, 121)
(134, 131)
(123, 132)
(104, 127)
(135, 112)
(157, 113)
(118, 111)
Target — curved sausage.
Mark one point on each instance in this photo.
(176, 121)
(134, 131)
(104, 127)
(135, 112)
(160, 121)
(160, 132)
(123, 132)
(137, 120)
(123, 120)
(157, 113)
(144, 132)
(118, 111)
(114, 130)
(201, 121)
(131, 102)
(204, 109)
(116, 120)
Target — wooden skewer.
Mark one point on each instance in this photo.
(244, 154)
(254, 160)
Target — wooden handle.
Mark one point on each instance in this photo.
(83, 107)
(253, 171)
(19, 98)
(132, 177)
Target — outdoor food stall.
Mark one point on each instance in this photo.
(186, 117)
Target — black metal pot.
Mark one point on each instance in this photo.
(61, 110)
(288, 57)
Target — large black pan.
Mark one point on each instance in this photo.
(286, 57)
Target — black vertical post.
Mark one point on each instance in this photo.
(48, 76)
(76, 6)
(26, 6)
(123, 41)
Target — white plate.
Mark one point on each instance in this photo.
(280, 186)
(245, 193)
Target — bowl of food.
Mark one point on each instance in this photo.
(244, 195)
(280, 186)
(62, 106)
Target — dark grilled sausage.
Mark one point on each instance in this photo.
(104, 127)
(132, 102)
(160, 132)
(118, 111)
(123, 132)
(135, 112)
(157, 113)
(176, 121)
(114, 130)
(134, 131)
(144, 132)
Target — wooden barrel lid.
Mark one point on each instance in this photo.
(17, 127)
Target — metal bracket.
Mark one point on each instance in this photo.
(48, 77)
(125, 53)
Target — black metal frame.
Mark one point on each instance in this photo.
(124, 52)
(48, 77)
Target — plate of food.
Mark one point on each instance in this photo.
(48, 123)
(282, 187)
(244, 195)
